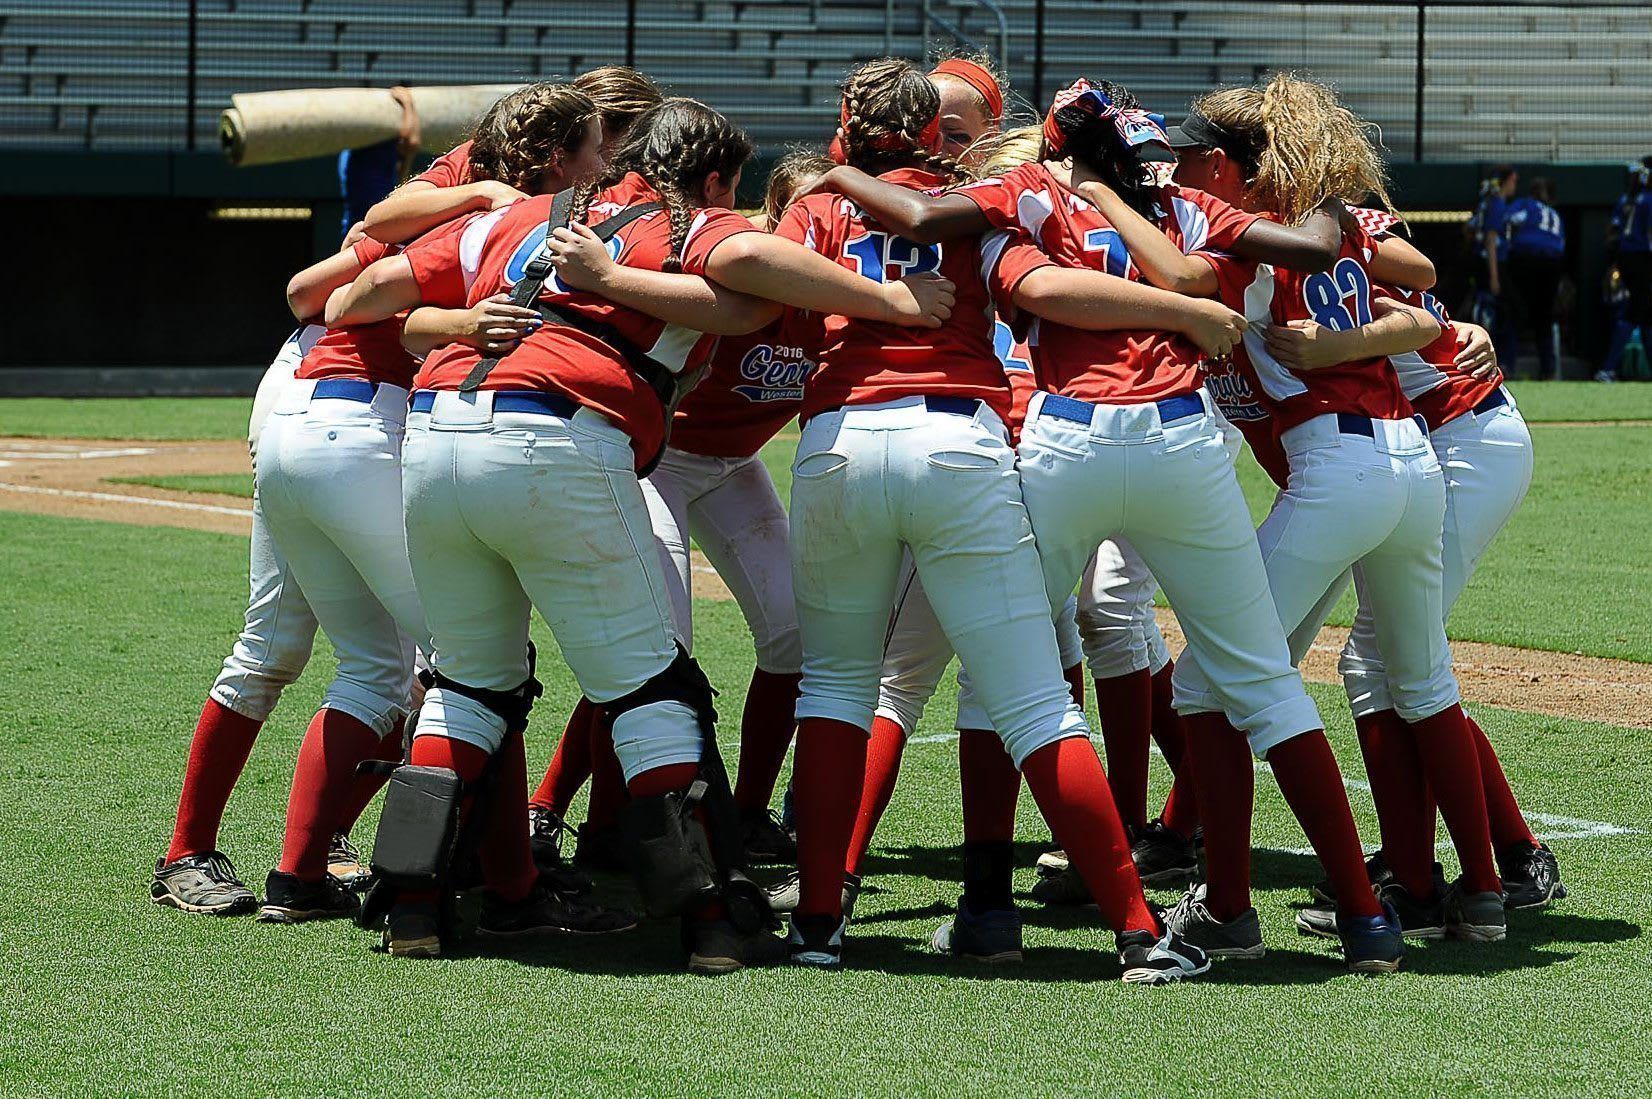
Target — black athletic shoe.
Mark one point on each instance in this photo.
(413, 931)
(764, 838)
(784, 895)
(1478, 917)
(1196, 924)
(1379, 874)
(1164, 857)
(1155, 961)
(545, 912)
(1418, 919)
(345, 863)
(816, 941)
(1373, 944)
(597, 848)
(1061, 888)
(718, 947)
(992, 937)
(1531, 875)
(206, 884)
(292, 900)
(545, 832)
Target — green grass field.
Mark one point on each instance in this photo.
(113, 634)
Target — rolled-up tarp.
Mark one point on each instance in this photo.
(271, 127)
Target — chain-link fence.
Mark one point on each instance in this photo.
(1445, 81)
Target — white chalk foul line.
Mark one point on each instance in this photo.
(121, 498)
(76, 455)
(1557, 827)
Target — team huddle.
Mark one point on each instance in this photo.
(1023, 362)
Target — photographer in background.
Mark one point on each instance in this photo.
(1536, 264)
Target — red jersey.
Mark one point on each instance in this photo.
(1339, 299)
(1120, 367)
(451, 169)
(865, 362)
(370, 351)
(482, 255)
(754, 388)
(1437, 389)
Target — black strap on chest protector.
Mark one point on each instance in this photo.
(534, 275)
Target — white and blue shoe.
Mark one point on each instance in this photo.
(816, 941)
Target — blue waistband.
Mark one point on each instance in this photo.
(508, 400)
(956, 406)
(1352, 423)
(1081, 412)
(1495, 399)
(344, 389)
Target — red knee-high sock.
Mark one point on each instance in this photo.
(1225, 785)
(1125, 705)
(322, 784)
(1508, 823)
(366, 787)
(1306, 770)
(830, 773)
(1075, 682)
(571, 764)
(1181, 808)
(883, 765)
(1067, 781)
(608, 793)
(1405, 811)
(1452, 764)
(506, 853)
(217, 754)
(990, 787)
(766, 727)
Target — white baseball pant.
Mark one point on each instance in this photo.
(512, 511)
(278, 630)
(1116, 623)
(329, 478)
(1169, 487)
(730, 507)
(872, 480)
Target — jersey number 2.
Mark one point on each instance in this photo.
(1328, 295)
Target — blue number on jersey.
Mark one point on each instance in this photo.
(1432, 304)
(1115, 257)
(884, 257)
(1003, 345)
(1326, 295)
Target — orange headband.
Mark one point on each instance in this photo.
(978, 78)
(930, 138)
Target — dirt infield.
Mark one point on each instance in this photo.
(70, 477)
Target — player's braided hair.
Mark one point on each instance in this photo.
(621, 96)
(1309, 147)
(520, 135)
(1097, 143)
(674, 147)
(788, 173)
(888, 103)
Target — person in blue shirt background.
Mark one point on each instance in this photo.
(1536, 242)
(1629, 239)
(1491, 244)
(367, 174)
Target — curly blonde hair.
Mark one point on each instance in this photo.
(1003, 151)
(1309, 147)
(784, 178)
(891, 102)
(520, 136)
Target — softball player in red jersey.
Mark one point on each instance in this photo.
(903, 448)
(271, 651)
(1485, 451)
(524, 492)
(1364, 484)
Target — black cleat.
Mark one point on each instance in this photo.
(1197, 925)
(764, 838)
(1418, 919)
(206, 884)
(545, 912)
(1164, 857)
(1531, 875)
(1062, 888)
(599, 848)
(344, 862)
(1373, 944)
(992, 937)
(292, 900)
(1478, 917)
(545, 832)
(816, 941)
(1155, 961)
(1379, 874)
(716, 946)
(413, 931)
